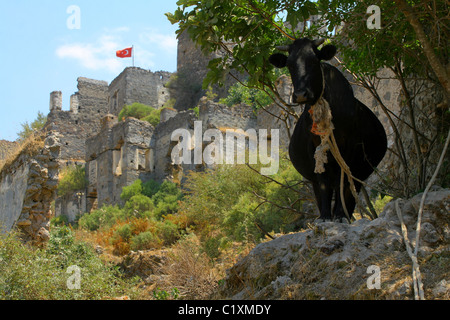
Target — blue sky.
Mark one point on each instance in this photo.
(39, 53)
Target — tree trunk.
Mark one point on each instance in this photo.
(435, 64)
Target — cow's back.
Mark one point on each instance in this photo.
(360, 135)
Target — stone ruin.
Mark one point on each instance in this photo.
(115, 152)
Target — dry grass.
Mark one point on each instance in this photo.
(31, 146)
(189, 271)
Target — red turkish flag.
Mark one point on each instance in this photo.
(125, 53)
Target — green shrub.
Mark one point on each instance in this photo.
(239, 220)
(237, 203)
(167, 188)
(59, 221)
(153, 117)
(144, 241)
(105, 217)
(150, 188)
(167, 205)
(124, 232)
(135, 110)
(166, 199)
(42, 274)
(28, 129)
(139, 206)
(168, 232)
(72, 178)
(132, 190)
(239, 93)
(210, 246)
(142, 112)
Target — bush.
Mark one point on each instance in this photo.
(71, 179)
(141, 222)
(29, 129)
(144, 241)
(139, 206)
(154, 117)
(132, 190)
(42, 274)
(166, 189)
(237, 203)
(59, 221)
(167, 199)
(136, 110)
(239, 93)
(124, 232)
(150, 188)
(105, 217)
(168, 232)
(142, 112)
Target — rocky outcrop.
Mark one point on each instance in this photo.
(28, 186)
(6, 148)
(362, 260)
(143, 263)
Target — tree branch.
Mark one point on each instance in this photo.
(428, 50)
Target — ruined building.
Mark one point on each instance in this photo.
(115, 152)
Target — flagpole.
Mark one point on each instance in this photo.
(132, 53)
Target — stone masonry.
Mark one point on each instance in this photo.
(116, 153)
(81, 121)
(27, 188)
(138, 85)
(116, 157)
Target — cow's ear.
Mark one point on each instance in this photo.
(279, 60)
(327, 52)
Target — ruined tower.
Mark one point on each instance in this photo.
(56, 100)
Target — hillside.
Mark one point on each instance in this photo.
(331, 260)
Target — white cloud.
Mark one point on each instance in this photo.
(100, 54)
(143, 58)
(94, 56)
(167, 42)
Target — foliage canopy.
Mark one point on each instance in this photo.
(247, 31)
(72, 178)
(142, 112)
(36, 125)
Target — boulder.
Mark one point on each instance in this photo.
(332, 260)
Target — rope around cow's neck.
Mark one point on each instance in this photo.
(323, 127)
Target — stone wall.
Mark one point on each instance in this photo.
(27, 188)
(138, 85)
(216, 115)
(6, 148)
(89, 104)
(71, 205)
(116, 157)
(192, 68)
(162, 146)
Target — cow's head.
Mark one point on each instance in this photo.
(304, 65)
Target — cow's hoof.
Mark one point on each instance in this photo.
(341, 220)
(322, 220)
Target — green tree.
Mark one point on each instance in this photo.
(72, 178)
(135, 110)
(241, 93)
(36, 125)
(239, 204)
(132, 190)
(412, 42)
(142, 112)
(248, 31)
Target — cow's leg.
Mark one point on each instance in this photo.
(324, 194)
(350, 202)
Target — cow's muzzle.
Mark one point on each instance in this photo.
(300, 97)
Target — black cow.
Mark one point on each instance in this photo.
(360, 136)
